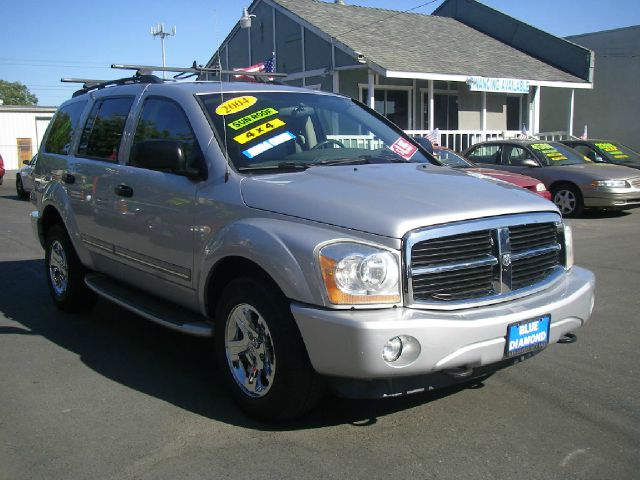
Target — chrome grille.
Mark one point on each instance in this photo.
(456, 265)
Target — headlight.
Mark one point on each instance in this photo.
(540, 187)
(568, 247)
(354, 273)
(611, 184)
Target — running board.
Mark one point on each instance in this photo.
(152, 308)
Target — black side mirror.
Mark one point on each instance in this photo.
(530, 162)
(162, 155)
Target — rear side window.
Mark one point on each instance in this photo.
(62, 128)
(102, 133)
(485, 154)
(164, 120)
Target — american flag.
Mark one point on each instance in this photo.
(433, 136)
(585, 134)
(267, 66)
(524, 133)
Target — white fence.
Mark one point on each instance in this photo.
(460, 140)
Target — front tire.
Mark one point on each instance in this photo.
(568, 199)
(260, 352)
(65, 274)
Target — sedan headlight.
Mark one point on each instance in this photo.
(354, 273)
(610, 184)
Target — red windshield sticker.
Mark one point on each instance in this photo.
(404, 148)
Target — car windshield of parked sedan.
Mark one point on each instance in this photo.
(451, 159)
(556, 154)
(616, 152)
(264, 131)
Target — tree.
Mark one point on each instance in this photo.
(16, 93)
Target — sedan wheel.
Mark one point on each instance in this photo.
(568, 200)
(22, 194)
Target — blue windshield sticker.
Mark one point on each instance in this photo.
(268, 144)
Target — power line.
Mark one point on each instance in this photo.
(387, 18)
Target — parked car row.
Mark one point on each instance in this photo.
(575, 181)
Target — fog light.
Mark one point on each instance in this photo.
(392, 350)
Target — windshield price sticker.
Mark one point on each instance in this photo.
(611, 149)
(404, 148)
(235, 105)
(526, 336)
(252, 118)
(268, 144)
(258, 131)
(548, 151)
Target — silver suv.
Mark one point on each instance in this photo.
(320, 244)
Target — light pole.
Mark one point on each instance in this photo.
(158, 31)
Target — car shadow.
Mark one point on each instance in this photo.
(168, 365)
(598, 213)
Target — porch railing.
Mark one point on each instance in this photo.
(460, 140)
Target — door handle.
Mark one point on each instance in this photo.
(123, 190)
(68, 178)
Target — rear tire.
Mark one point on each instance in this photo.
(22, 194)
(65, 274)
(568, 199)
(260, 352)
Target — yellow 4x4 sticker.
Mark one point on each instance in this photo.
(236, 104)
(258, 131)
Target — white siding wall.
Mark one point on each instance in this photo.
(19, 124)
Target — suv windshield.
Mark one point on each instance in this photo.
(264, 131)
(556, 154)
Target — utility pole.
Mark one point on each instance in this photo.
(158, 31)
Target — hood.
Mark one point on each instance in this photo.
(515, 178)
(388, 199)
(588, 172)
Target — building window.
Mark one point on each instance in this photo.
(445, 102)
(514, 113)
(392, 102)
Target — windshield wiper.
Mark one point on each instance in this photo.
(343, 161)
(279, 167)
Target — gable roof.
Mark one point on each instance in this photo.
(412, 43)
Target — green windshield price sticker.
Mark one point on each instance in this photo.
(548, 151)
(612, 149)
(252, 118)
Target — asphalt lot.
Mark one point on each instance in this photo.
(110, 396)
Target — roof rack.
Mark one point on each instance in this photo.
(144, 74)
(193, 70)
(91, 84)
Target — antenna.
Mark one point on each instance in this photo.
(159, 31)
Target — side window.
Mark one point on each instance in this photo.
(585, 151)
(163, 120)
(485, 154)
(62, 128)
(102, 133)
(515, 155)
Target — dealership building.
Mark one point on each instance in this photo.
(468, 70)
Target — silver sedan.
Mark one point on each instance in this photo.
(575, 182)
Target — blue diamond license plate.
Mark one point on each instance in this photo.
(527, 335)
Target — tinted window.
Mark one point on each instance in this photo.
(586, 151)
(103, 131)
(485, 154)
(165, 120)
(556, 154)
(62, 128)
(516, 155)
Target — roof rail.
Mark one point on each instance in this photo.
(195, 69)
(90, 84)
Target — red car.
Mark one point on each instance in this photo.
(451, 159)
(1, 169)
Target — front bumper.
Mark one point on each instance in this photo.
(615, 198)
(348, 343)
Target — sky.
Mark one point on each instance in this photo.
(41, 42)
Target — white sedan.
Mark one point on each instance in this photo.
(24, 178)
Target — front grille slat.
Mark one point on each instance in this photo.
(467, 266)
